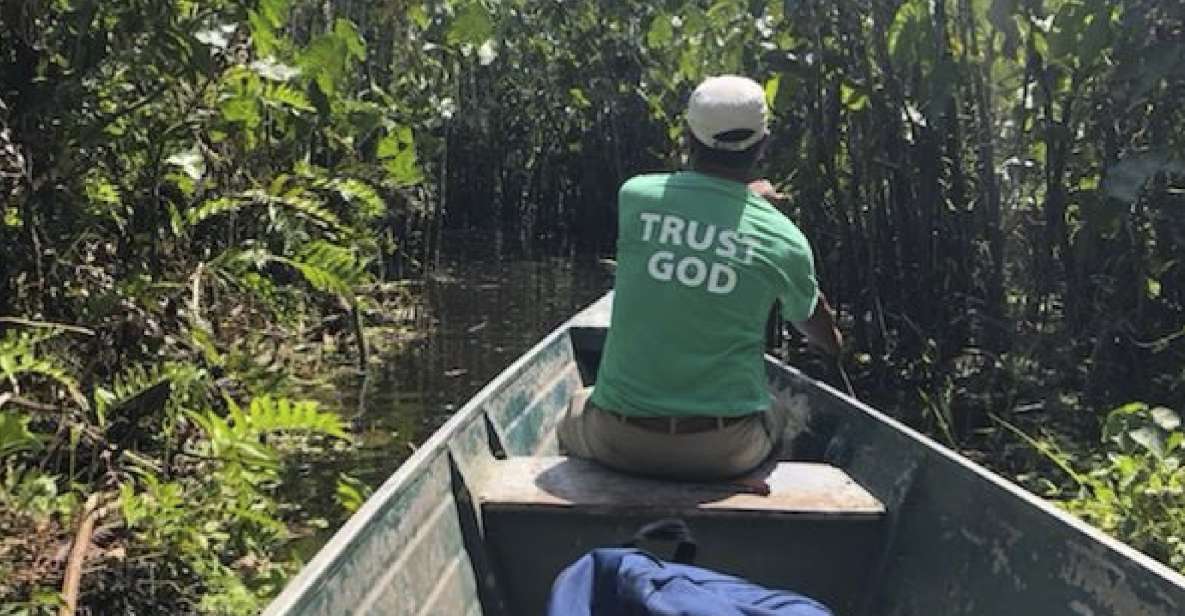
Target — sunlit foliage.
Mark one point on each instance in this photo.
(190, 189)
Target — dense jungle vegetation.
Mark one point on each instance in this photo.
(199, 201)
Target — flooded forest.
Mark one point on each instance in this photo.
(253, 252)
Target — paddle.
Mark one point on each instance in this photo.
(843, 375)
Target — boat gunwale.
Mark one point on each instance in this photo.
(934, 447)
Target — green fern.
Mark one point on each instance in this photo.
(330, 268)
(134, 384)
(210, 209)
(267, 414)
(238, 436)
(20, 356)
(326, 266)
(370, 204)
(281, 95)
(295, 200)
(14, 433)
(351, 492)
(125, 387)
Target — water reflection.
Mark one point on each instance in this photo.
(472, 318)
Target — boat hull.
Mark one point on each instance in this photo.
(954, 539)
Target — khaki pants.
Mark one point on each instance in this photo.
(735, 449)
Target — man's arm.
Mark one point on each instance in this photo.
(820, 329)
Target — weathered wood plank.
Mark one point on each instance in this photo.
(796, 488)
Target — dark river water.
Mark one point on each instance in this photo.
(476, 316)
(466, 322)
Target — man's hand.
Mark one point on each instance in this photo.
(820, 329)
(832, 344)
(765, 190)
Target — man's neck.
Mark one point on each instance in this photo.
(736, 175)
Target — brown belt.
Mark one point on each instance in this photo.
(679, 425)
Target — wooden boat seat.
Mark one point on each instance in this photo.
(816, 532)
(800, 489)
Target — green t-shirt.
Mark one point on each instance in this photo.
(700, 261)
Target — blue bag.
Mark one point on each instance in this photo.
(630, 582)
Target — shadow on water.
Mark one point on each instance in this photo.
(472, 317)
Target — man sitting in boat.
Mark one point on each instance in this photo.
(702, 255)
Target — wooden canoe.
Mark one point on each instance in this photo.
(877, 520)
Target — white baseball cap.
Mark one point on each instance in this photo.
(725, 104)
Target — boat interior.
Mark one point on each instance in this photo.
(865, 516)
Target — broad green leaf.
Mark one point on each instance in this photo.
(347, 33)
(1149, 438)
(218, 37)
(1040, 42)
(772, 85)
(14, 433)
(1174, 442)
(1166, 418)
(404, 168)
(1002, 16)
(695, 21)
(661, 32)
(282, 95)
(397, 152)
(784, 97)
(275, 11)
(579, 99)
(910, 29)
(689, 65)
(100, 190)
(722, 12)
(263, 34)
(325, 60)
(472, 24)
(419, 15)
(854, 98)
(1152, 286)
(487, 53)
(205, 342)
(242, 109)
(190, 161)
(269, 68)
